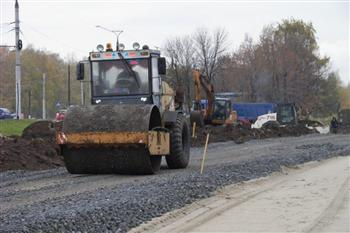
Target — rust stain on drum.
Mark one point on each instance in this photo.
(106, 138)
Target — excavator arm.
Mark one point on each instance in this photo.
(197, 90)
(200, 81)
(211, 113)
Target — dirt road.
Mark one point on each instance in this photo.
(54, 200)
(308, 198)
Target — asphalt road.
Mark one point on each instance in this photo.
(54, 200)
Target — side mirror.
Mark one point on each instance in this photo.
(80, 71)
(162, 66)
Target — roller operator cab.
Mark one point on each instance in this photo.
(131, 76)
(133, 119)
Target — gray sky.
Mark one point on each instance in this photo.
(68, 27)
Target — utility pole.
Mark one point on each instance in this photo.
(82, 95)
(18, 64)
(68, 85)
(44, 96)
(29, 104)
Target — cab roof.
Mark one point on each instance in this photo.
(127, 54)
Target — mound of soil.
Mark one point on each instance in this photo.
(40, 129)
(241, 134)
(28, 154)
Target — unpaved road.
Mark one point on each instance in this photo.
(54, 200)
(309, 198)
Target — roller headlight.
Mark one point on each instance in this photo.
(136, 45)
(100, 48)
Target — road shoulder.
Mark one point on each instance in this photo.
(310, 197)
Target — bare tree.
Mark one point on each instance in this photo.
(209, 48)
(247, 64)
(181, 52)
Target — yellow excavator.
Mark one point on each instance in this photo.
(212, 110)
(133, 120)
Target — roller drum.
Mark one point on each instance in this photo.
(99, 159)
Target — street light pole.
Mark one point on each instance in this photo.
(29, 104)
(115, 32)
(117, 47)
(44, 96)
(82, 94)
(68, 85)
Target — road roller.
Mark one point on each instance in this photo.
(134, 119)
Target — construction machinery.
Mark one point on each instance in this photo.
(215, 110)
(282, 114)
(344, 117)
(344, 120)
(287, 114)
(133, 119)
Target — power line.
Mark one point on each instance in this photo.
(7, 23)
(3, 33)
(25, 38)
(3, 27)
(52, 39)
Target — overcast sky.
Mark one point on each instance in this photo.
(69, 27)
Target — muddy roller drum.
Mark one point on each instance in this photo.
(110, 139)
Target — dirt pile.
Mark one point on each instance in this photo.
(241, 134)
(40, 129)
(28, 154)
(35, 150)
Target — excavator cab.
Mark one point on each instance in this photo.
(131, 122)
(223, 114)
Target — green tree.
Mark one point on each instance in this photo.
(344, 96)
(328, 96)
(34, 63)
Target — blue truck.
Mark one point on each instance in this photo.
(251, 111)
(286, 112)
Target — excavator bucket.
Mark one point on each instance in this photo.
(126, 139)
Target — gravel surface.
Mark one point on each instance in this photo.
(55, 201)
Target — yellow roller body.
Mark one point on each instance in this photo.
(158, 142)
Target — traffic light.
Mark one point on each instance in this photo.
(19, 45)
